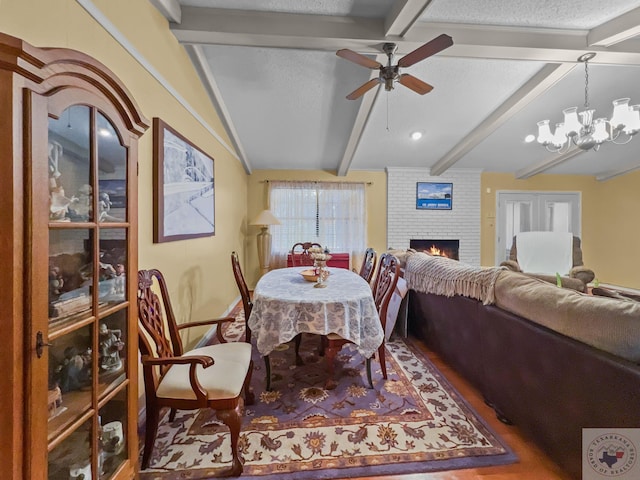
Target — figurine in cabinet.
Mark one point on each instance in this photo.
(80, 471)
(112, 438)
(56, 282)
(75, 370)
(54, 401)
(104, 205)
(110, 347)
(55, 152)
(59, 207)
(81, 209)
(119, 282)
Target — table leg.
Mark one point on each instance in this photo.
(298, 339)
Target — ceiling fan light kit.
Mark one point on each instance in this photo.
(580, 128)
(390, 74)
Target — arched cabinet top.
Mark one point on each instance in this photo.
(49, 70)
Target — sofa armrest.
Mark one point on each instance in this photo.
(511, 265)
(582, 273)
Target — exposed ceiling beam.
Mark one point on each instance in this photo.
(171, 9)
(617, 30)
(403, 15)
(364, 112)
(547, 163)
(616, 173)
(206, 76)
(537, 85)
(365, 35)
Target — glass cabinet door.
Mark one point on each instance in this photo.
(86, 337)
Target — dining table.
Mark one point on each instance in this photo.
(286, 305)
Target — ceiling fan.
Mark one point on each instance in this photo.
(391, 73)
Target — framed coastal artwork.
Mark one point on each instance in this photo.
(434, 196)
(184, 193)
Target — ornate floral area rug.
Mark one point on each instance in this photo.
(411, 423)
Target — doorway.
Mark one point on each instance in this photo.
(527, 211)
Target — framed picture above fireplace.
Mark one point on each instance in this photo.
(434, 196)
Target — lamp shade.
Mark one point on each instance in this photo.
(265, 218)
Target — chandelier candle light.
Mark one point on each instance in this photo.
(585, 132)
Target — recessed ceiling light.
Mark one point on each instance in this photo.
(529, 138)
(416, 135)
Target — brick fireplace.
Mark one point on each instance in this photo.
(461, 223)
(443, 248)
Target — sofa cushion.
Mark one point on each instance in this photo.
(605, 323)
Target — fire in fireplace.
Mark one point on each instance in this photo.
(442, 248)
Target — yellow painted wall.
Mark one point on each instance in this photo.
(198, 271)
(613, 212)
(609, 228)
(376, 198)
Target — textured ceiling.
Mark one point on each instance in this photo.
(570, 14)
(271, 70)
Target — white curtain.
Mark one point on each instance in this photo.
(332, 214)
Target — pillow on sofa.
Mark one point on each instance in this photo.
(604, 323)
(605, 292)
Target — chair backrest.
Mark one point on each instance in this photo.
(576, 251)
(244, 292)
(368, 264)
(152, 330)
(300, 253)
(385, 284)
(545, 252)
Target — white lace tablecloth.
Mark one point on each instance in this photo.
(285, 304)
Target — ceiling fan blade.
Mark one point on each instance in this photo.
(430, 48)
(357, 58)
(358, 92)
(414, 84)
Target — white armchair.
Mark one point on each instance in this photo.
(543, 254)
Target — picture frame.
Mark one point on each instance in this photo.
(184, 187)
(434, 195)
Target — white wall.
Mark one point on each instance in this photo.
(462, 222)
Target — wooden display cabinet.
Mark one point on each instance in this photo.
(68, 152)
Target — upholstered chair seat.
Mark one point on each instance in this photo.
(223, 379)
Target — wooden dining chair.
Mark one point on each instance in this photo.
(300, 254)
(213, 376)
(368, 264)
(383, 288)
(247, 304)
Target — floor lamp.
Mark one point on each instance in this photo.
(263, 220)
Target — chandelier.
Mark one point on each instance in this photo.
(580, 128)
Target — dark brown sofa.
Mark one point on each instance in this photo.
(550, 384)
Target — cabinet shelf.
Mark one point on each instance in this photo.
(77, 403)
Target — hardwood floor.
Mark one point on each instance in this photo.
(533, 464)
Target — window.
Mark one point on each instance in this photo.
(332, 214)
